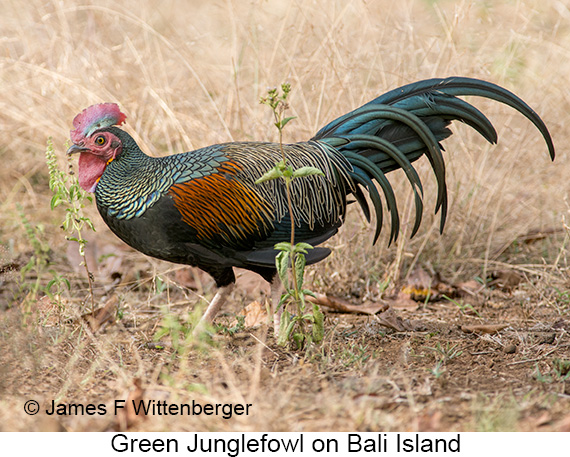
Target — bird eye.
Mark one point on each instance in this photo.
(100, 140)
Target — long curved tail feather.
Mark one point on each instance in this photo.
(400, 126)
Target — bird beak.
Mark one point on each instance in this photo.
(76, 148)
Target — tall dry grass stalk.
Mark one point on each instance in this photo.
(190, 74)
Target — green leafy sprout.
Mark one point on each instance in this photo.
(68, 194)
(291, 261)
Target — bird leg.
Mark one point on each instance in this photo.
(276, 292)
(215, 306)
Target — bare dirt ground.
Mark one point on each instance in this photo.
(476, 337)
(495, 360)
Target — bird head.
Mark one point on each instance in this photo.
(96, 146)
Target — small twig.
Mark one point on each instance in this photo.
(538, 359)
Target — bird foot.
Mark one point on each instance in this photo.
(213, 309)
(276, 323)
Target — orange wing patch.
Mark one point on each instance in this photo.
(221, 207)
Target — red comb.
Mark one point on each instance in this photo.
(94, 118)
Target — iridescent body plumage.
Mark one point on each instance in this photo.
(203, 207)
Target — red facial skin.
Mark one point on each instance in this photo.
(96, 152)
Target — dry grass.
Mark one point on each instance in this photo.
(189, 74)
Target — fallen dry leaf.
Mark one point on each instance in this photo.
(402, 301)
(255, 314)
(102, 316)
(422, 286)
(483, 328)
(382, 312)
(390, 319)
